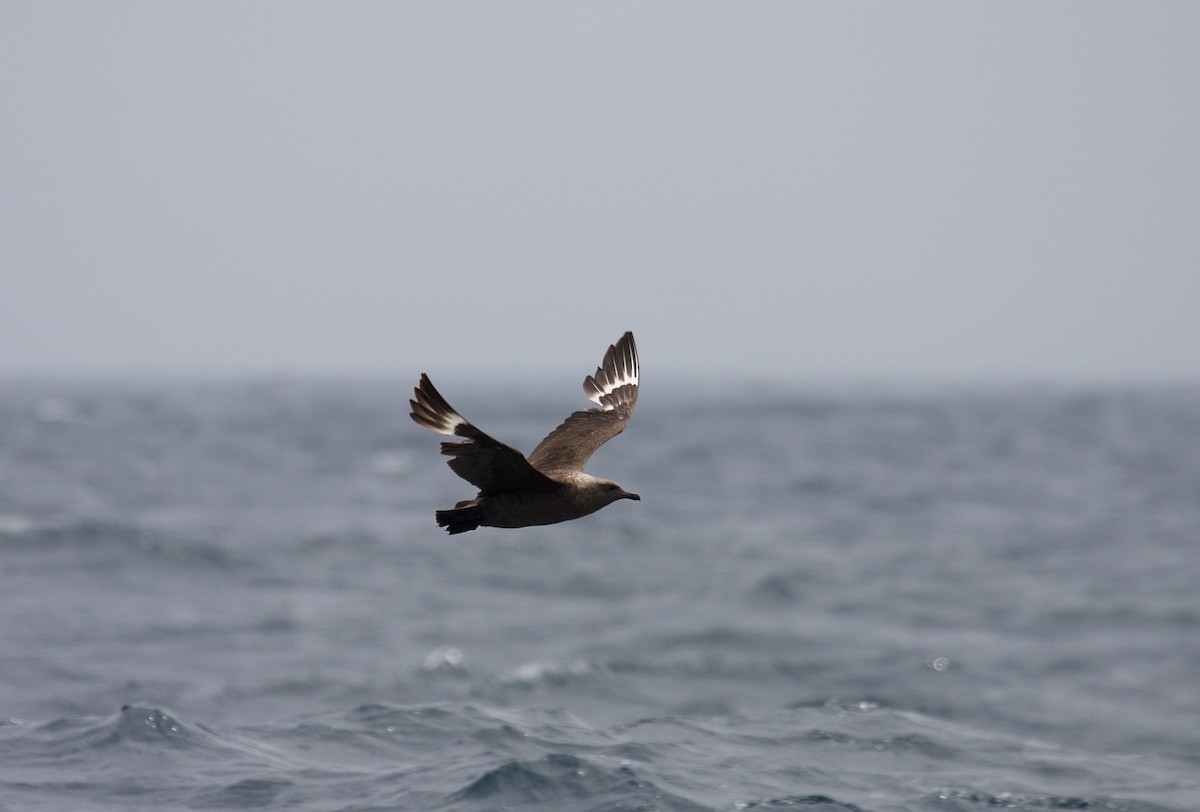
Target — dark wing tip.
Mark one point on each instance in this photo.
(430, 409)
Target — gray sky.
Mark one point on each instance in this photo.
(798, 190)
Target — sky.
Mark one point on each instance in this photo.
(991, 191)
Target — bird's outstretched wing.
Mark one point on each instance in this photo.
(614, 389)
(486, 463)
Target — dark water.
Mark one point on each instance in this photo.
(234, 596)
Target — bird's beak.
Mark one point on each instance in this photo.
(633, 496)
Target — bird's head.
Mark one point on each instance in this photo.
(612, 491)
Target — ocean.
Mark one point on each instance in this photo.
(232, 595)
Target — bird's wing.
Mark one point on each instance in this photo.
(486, 463)
(614, 389)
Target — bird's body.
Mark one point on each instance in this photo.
(550, 485)
(526, 508)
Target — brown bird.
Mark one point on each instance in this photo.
(549, 486)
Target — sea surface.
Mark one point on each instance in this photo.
(232, 595)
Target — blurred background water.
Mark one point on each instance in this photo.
(233, 595)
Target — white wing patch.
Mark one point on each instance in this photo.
(447, 423)
(609, 386)
(620, 368)
(432, 411)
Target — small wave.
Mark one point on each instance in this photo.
(420, 723)
(561, 778)
(141, 727)
(99, 535)
(444, 658)
(88, 736)
(148, 726)
(136, 723)
(448, 724)
(902, 743)
(249, 792)
(822, 803)
(14, 524)
(553, 673)
(970, 799)
(776, 588)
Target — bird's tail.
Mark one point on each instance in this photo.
(462, 517)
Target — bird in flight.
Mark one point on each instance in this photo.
(549, 485)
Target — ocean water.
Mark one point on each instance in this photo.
(232, 595)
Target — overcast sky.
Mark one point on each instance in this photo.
(796, 190)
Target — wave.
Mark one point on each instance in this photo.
(559, 778)
(140, 727)
(108, 538)
(817, 803)
(836, 757)
(969, 800)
